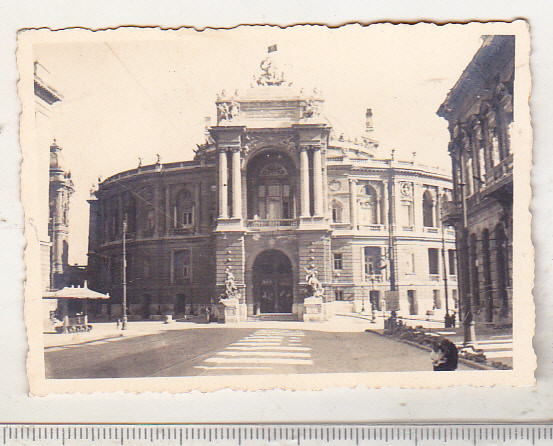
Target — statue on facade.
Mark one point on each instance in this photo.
(309, 109)
(269, 73)
(314, 286)
(231, 290)
(228, 111)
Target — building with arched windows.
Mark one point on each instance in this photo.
(272, 192)
(479, 110)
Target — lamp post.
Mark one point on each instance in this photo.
(124, 324)
(469, 336)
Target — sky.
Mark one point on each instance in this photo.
(129, 95)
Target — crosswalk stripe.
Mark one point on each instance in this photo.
(253, 344)
(230, 367)
(285, 361)
(270, 347)
(265, 354)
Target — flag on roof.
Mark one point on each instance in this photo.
(272, 48)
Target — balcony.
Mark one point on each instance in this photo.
(430, 230)
(499, 182)
(434, 277)
(375, 228)
(451, 212)
(266, 223)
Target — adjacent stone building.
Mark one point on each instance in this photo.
(52, 183)
(479, 109)
(274, 191)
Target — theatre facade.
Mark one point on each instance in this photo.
(272, 192)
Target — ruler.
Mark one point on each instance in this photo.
(281, 434)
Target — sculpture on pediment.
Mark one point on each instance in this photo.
(253, 143)
(309, 109)
(270, 75)
(228, 111)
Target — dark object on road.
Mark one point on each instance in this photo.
(449, 320)
(444, 355)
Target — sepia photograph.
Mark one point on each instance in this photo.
(264, 207)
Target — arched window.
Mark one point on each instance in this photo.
(427, 210)
(474, 274)
(183, 211)
(368, 204)
(274, 198)
(486, 261)
(502, 256)
(336, 211)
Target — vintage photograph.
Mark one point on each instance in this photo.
(263, 207)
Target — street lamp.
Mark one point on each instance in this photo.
(124, 324)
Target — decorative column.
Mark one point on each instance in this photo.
(353, 203)
(318, 182)
(223, 186)
(120, 216)
(236, 184)
(156, 210)
(304, 174)
(169, 224)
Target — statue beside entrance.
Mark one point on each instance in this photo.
(230, 307)
(313, 303)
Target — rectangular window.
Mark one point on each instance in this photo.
(407, 213)
(433, 262)
(337, 261)
(146, 268)
(151, 218)
(182, 268)
(187, 218)
(412, 300)
(437, 300)
(338, 295)
(455, 298)
(452, 269)
(469, 177)
(336, 214)
(372, 260)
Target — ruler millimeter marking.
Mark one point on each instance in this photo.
(254, 434)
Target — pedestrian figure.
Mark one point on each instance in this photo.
(444, 356)
(118, 323)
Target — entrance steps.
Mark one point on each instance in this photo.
(284, 317)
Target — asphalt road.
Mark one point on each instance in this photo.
(221, 350)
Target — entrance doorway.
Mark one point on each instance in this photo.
(272, 283)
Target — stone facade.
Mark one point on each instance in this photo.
(270, 194)
(479, 110)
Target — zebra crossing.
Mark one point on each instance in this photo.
(265, 349)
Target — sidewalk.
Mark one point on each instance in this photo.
(496, 343)
(108, 330)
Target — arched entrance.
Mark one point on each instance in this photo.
(272, 283)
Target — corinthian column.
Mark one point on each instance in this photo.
(236, 185)
(353, 203)
(318, 182)
(304, 174)
(223, 186)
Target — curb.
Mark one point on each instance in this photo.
(466, 362)
(83, 343)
